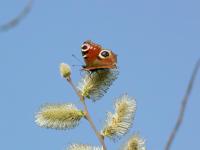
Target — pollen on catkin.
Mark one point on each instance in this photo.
(83, 147)
(95, 84)
(118, 123)
(58, 116)
(135, 143)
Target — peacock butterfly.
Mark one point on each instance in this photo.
(96, 57)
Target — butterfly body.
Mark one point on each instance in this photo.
(96, 57)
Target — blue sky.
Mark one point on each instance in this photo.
(157, 43)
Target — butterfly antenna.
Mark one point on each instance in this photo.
(76, 65)
(77, 59)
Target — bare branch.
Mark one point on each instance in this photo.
(15, 21)
(87, 114)
(183, 106)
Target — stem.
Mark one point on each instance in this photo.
(183, 107)
(87, 114)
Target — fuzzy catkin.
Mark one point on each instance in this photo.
(118, 123)
(135, 143)
(83, 147)
(95, 84)
(58, 116)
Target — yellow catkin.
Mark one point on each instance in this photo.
(135, 143)
(65, 70)
(58, 116)
(94, 85)
(120, 122)
(83, 147)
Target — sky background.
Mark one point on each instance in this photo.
(157, 43)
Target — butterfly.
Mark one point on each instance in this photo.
(96, 57)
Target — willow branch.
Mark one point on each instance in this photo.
(13, 22)
(183, 106)
(87, 114)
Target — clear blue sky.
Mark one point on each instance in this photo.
(157, 42)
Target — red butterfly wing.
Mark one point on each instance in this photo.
(97, 58)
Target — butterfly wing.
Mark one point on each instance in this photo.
(97, 58)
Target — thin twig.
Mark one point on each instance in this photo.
(87, 115)
(13, 22)
(183, 106)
